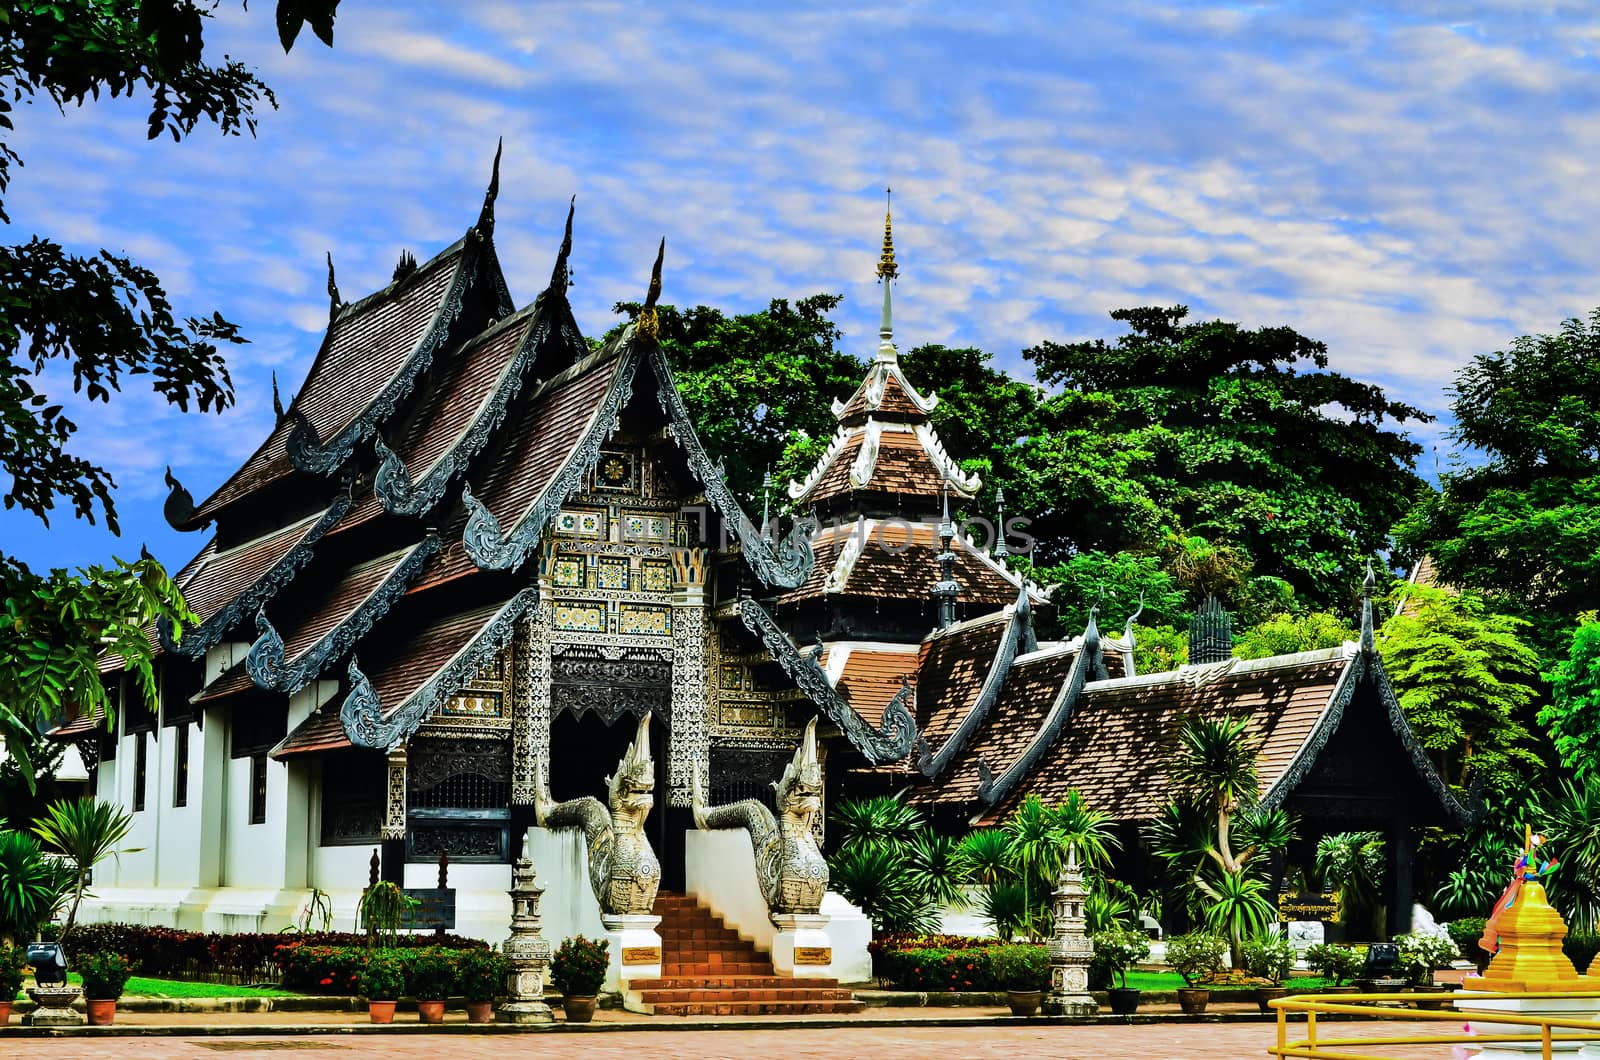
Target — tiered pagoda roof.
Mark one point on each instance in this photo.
(385, 535)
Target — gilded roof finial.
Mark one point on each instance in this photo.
(486, 215)
(334, 304)
(559, 279)
(649, 323)
(887, 269)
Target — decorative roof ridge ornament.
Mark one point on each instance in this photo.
(946, 589)
(1017, 639)
(1368, 644)
(888, 269)
(334, 302)
(649, 322)
(406, 266)
(560, 277)
(179, 507)
(485, 225)
(1000, 551)
(966, 484)
(798, 488)
(1210, 633)
(277, 402)
(994, 790)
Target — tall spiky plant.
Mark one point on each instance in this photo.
(87, 831)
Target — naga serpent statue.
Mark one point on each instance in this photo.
(790, 868)
(622, 868)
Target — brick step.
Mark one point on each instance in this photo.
(700, 934)
(701, 954)
(731, 982)
(653, 997)
(754, 1008)
(677, 970)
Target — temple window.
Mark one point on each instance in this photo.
(180, 768)
(258, 788)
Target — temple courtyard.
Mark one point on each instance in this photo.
(979, 1038)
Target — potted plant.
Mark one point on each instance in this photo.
(1420, 957)
(13, 966)
(1122, 948)
(431, 979)
(104, 977)
(382, 979)
(1269, 957)
(1022, 970)
(1196, 956)
(578, 969)
(1337, 965)
(482, 973)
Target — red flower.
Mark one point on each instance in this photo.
(328, 981)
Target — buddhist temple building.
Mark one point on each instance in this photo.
(475, 550)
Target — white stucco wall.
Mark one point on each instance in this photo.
(561, 865)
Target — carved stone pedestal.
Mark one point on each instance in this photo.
(635, 948)
(55, 1007)
(526, 949)
(801, 948)
(1071, 949)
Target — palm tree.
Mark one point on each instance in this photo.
(31, 886)
(1086, 830)
(936, 868)
(1352, 864)
(1573, 829)
(987, 855)
(874, 821)
(1214, 771)
(87, 831)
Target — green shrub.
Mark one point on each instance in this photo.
(430, 975)
(1269, 957)
(1421, 955)
(337, 969)
(1337, 964)
(105, 975)
(1581, 950)
(482, 974)
(13, 967)
(1123, 948)
(382, 978)
(1196, 956)
(1018, 967)
(579, 966)
(1466, 933)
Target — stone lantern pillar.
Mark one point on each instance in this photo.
(1071, 949)
(526, 949)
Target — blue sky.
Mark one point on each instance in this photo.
(1412, 183)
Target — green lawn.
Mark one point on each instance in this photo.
(1172, 981)
(138, 986)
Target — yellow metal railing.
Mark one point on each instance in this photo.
(1545, 1030)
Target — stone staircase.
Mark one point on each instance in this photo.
(708, 970)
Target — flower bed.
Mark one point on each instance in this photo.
(243, 958)
(944, 969)
(318, 969)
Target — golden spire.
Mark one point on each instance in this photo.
(887, 269)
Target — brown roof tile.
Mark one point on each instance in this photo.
(900, 561)
(532, 450)
(217, 577)
(1030, 690)
(1122, 733)
(954, 666)
(872, 677)
(895, 406)
(362, 352)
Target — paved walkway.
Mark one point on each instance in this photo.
(1152, 1042)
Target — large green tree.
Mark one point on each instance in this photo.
(105, 318)
(1468, 684)
(1573, 712)
(1522, 525)
(1241, 436)
(759, 385)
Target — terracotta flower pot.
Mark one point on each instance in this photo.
(579, 1009)
(101, 1012)
(480, 1011)
(1024, 1002)
(1193, 999)
(430, 1011)
(5, 1013)
(381, 1011)
(1124, 1000)
(1264, 994)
